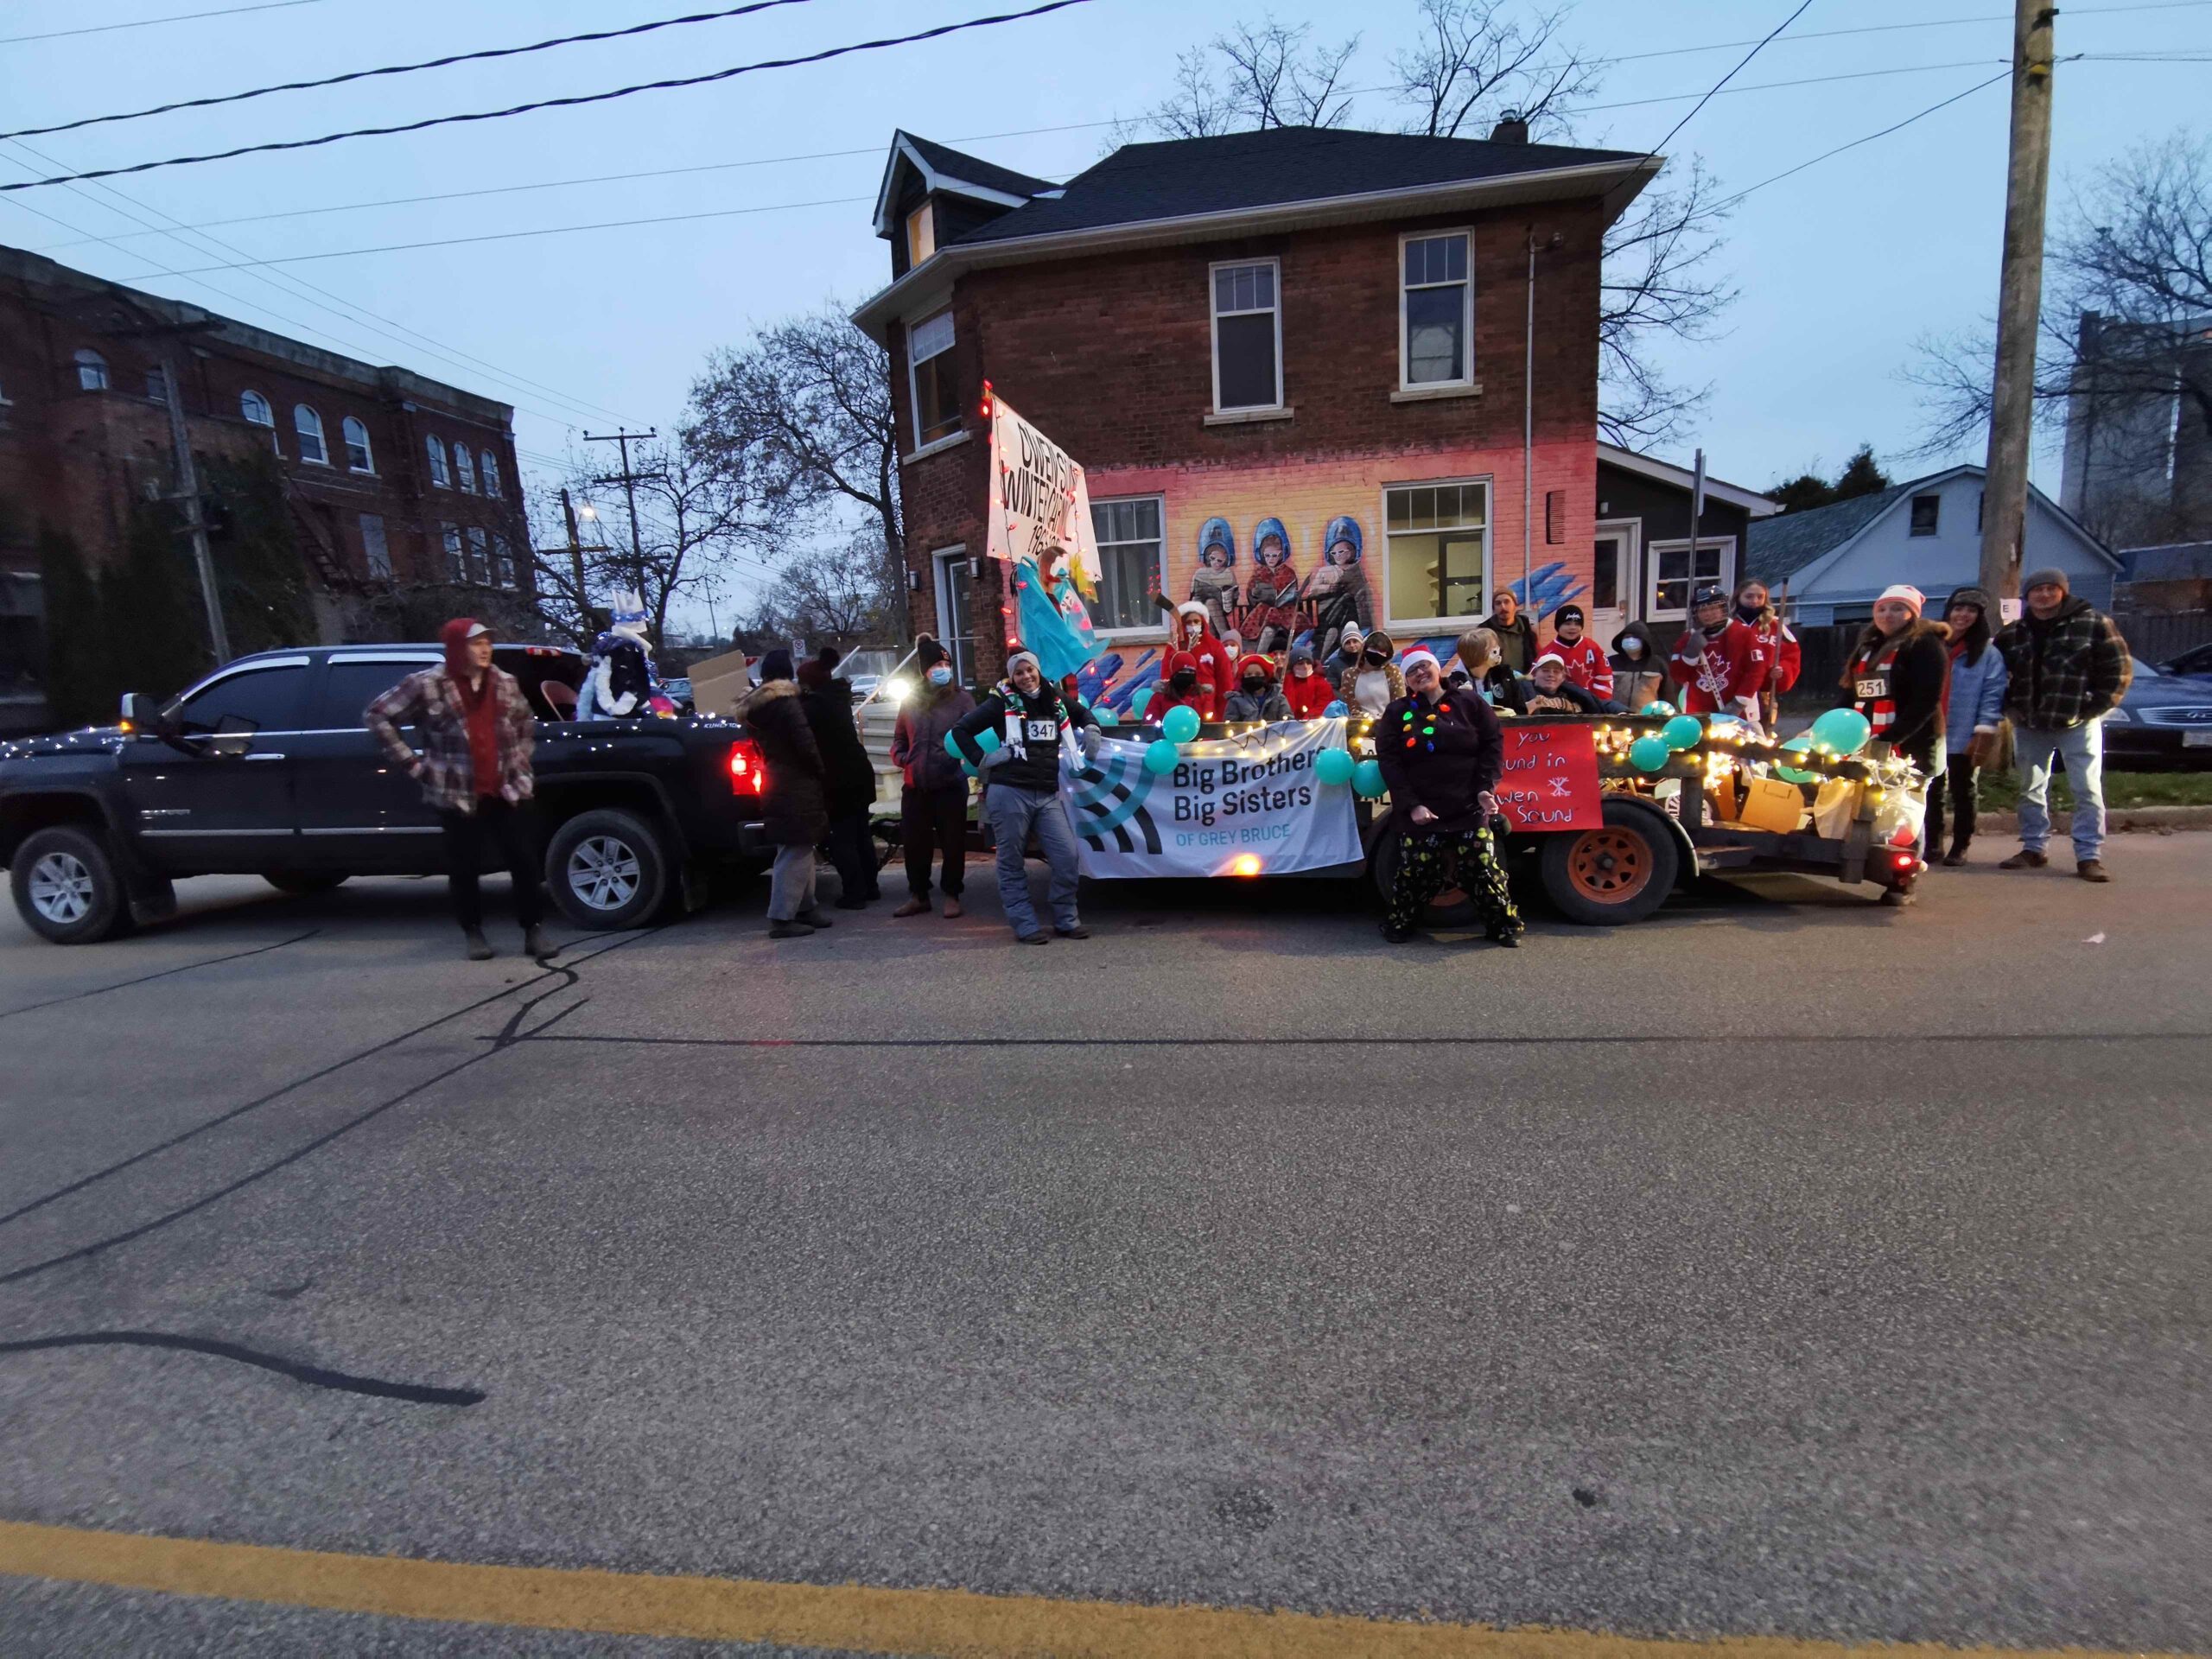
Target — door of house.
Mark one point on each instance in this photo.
(1617, 577)
(956, 613)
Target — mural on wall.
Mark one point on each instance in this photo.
(1269, 619)
(1336, 590)
(1213, 584)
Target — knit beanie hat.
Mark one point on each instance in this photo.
(1017, 658)
(1567, 614)
(2051, 574)
(1906, 591)
(928, 653)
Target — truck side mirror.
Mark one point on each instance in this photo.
(142, 714)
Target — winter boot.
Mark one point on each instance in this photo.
(479, 947)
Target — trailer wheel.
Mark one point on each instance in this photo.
(1612, 875)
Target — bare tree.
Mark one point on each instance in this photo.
(1475, 62)
(802, 415)
(1657, 283)
(831, 594)
(2126, 346)
(1258, 75)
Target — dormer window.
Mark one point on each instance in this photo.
(921, 234)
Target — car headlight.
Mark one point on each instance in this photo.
(2119, 716)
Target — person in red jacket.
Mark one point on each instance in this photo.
(1587, 663)
(1184, 683)
(1720, 663)
(1306, 688)
(1785, 657)
(1191, 630)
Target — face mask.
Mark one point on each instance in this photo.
(1253, 687)
(1749, 612)
(1301, 671)
(1373, 658)
(1185, 679)
(940, 675)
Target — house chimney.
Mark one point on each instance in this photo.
(1510, 130)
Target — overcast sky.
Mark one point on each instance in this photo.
(1841, 269)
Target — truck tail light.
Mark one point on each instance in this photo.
(747, 775)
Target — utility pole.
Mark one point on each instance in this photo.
(576, 551)
(2019, 303)
(187, 495)
(628, 480)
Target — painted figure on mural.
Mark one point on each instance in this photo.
(1214, 583)
(1269, 619)
(1336, 590)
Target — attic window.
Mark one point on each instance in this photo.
(921, 234)
(1924, 511)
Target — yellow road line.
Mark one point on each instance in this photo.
(941, 1623)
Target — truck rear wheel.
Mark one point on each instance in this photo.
(1616, 874)
(607, 868)
(65, 886)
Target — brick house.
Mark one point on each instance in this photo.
(1316, 338)
(392, 481)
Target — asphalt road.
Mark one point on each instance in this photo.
(1784, 1265)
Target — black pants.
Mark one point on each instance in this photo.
(510, 828)
(1959, 783)
(852, 852)
(934, 820)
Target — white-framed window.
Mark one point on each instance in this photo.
(480, 553)
(464, 468)
(1133, 561)
(308, 425)
(955, 616)
(930, 379)
(1247, 336)
(921, 234)
(358, 457)
(1436, 310)
(91, 370)
(487, 464)
(1676, 571)
(503, 560)
(158, 384)
(1927, 512)
(375, 548)
(456, 561)
(434, 447)
(1436, 568)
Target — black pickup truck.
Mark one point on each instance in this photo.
(263, 768)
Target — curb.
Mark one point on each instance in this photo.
(2156, 820)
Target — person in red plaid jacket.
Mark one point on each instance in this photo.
(474, 770)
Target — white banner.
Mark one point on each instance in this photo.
(1040, 501)
(1247, 805)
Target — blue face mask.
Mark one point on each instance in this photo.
(940, 675)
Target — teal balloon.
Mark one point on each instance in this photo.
(988, 739)
(1140, 701)
(1181, 724)
(951, 747)
(1682, 732)
(1367, 779)
(1160, 758)
(1333, 767)
(1659, 711)
(1843, 730)
(968, 767)
(1648, 753)
(1336, 711)
(1799, 744)
(1106, 717)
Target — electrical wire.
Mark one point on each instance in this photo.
(148, 23)
(1802, 7)
(407, 68)
(822, 56)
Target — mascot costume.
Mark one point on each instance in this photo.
(619, 681)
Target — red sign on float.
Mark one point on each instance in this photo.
(1550, 778)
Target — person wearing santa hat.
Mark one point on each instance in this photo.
(1441, 753)
(1192, 630)
(1184, 683)
(1896, 674)
(1587, 663)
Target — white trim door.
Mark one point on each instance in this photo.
(956, 611)
(1616, 578)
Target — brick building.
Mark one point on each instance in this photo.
(392, 482)
(1317, 337)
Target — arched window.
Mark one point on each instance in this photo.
(490, 463)
(464, 469)
(358, 457)
(253, 407)
(437, 446)
(91, 370)
(308, 425)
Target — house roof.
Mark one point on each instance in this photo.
(954, 171)
(1683, 479)
(1245, 184)
(1180, 178)
(1788, 546)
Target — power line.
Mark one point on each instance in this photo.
(1803, 6)
(148, 23)
(407, 68)
(822, 56)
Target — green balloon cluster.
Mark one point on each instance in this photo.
(1160, 758)
(1841, 731)
(1140, 701)
(1181, 724)
(1367, 779)
(1106, 717)
(1333, 767)
(1682, 732)
(1650, 753)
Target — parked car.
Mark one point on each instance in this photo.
(2164, 720)
(2195, 663)
(265, 768)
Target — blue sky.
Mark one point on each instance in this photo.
(1841, 269)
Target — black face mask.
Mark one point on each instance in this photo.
(1750, 613)
(1185, 679)
(1254, 688)
(1373, 658)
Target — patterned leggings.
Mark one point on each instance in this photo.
(1426, 873)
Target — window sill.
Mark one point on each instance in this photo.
(1435, 394)
(1247, 416)
(936, 446)
(309, 460)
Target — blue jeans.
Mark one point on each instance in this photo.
(1012, 813)
(2082, 748)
